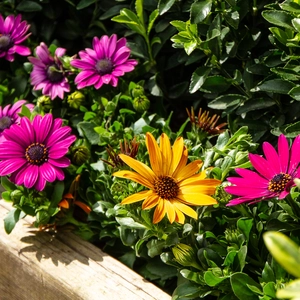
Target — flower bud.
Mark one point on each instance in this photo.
(141, 103)
(16, 196)
(76, 99)
(80, 155)
(232, 235)
(221, 196)
(137, 91)
(45, 103)
(185, 255)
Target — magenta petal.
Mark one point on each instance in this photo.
(40, 183)
(48, 172)
(11, 165)
(294, 156)
(262, 166)
(31, 176)
(283, 153)
(272, 158)
(62, 162)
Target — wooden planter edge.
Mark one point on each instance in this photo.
(36, 265)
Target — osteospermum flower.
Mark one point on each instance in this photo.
(172, 184)
(34, 152)
(12, 33)
(9, 115)
(48, 73)
(274, 176)
(108, 60)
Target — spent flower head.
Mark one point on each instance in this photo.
(172, 184)
(48, 73)
(108, 60)
(274, 176)
(13, 32)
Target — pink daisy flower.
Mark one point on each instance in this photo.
(274, 176)
(9, 115)
(108, 60)
(48, 73)
(12, 34)
(34, 152)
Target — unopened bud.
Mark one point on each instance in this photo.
(76, 99)
(45, 103)
(141, 103)
(80, 155)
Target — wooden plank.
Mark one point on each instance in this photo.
(37, 265)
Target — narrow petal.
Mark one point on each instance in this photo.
(283, 153)
(154, 154)
(262, 166)
(177, 154)
(198, 189)
(295, 157)
(196, 199)
(189, 170)
(30, 178)
(150, 201)
(198, 180)
(170, 209)
(179, 216)
(272, 157)
(166, 153)
(135, 177)
(159, 212)
(48, 172)
(11, 165)
(185, 209)
(139, 167)
(136, 197)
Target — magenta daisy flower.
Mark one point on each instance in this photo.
(34, 152)
(12, 33)
(108, 60)
(48, 73)
(274, 176)
(9, 115)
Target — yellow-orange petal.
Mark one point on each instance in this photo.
(166, 153)
(189, 170)
(136, 197)
(199, 188)
(198, 180)
(64, 204)
(83, 206)
(154, 154)
(170, 209)
(178, 152)
(182, 163)
(185, 209)
(139, 167)
(196, 199)
(179, 216)
(159, 212)
(134, 177)
(150, 201)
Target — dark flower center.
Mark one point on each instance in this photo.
(5, 122)
(104, 66)
(5, 42)
(278, 183)
(166, 187)
(54, 74)
(36, 153)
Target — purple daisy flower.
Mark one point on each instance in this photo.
(48, 73)
(108, 60)
(34, 152)
(9, 115)
(12, 34)
(274, 176)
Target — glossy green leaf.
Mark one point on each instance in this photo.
(139, 8)
(279, 18)
(291, 6)
(278, 86)
(152, 18)
(11, 219)
(295, 92)
(28, 6)
(198, 79)
(85, 3)
(200, 10)
(223, 102)
(165, 5)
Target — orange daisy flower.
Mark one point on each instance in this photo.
(172, 184)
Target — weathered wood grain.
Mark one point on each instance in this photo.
(38, 266)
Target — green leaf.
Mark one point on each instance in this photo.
(57, 194)
(165, 5)
(255, 104)
(240, 282)
(87, 130)
(216, 83)
(192, 276)
(291, 6)
(179, 25)
(212, 279)
(140, 10)
(155, 247)
(7, 184)
(129, 223)
(186, 289)
(84, 3)
(28, 6)
(285, 251)
(279, 18)
(281, 35)
(277, 86)
(153, 16)
(11, 219)
(225, 101)
(245, 225)
(296, 24)
(198, 78)
(114, 10)
(200, 10)
(295, 93)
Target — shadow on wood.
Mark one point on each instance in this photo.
(37, 265)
